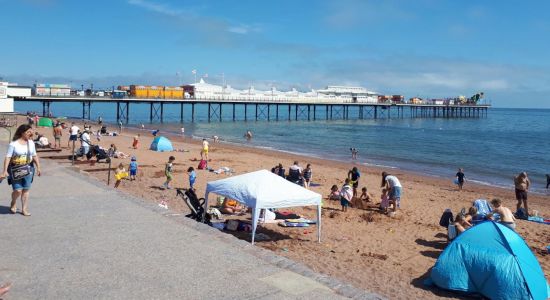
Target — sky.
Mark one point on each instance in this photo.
(425, 48)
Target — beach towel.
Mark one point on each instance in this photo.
(540, 220)
(483, 207)
(293, 224)
(301, 220)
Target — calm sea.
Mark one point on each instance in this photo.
(491, 150)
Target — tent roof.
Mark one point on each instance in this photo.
(263, 189)
(492, 260)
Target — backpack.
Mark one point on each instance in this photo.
(202, 164)
(521, 214)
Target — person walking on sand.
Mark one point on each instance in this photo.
(346, 194)
(120, 126)
(57, 134)
(306, 174)
(182, 132)
(392, 184)
(204, 151)
(192, 177)
(522, 183)
(99, 121)
(354, 176)
(168, 171)
(460, 178)
(73, 134)
(20, 165)
(135, 143)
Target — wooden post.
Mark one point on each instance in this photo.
(109, 172)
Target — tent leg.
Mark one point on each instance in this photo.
(255, 216)
(319, 223)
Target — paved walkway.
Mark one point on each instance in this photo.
(87, 241)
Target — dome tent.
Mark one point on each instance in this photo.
(492, 260)
(161, 144)
(45, 122)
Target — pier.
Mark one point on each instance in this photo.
(269, 110)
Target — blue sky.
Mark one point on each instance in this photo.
(426, 48)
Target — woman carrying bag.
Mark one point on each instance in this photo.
(20, 165)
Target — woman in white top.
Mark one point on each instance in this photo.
(21, 153)
(392, 184)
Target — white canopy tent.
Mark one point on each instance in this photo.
(262, 190)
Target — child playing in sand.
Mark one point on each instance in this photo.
(384, 201)
(133, 168)
(334, 193)
(192, 177)
(506, 217)
(168, 172)
(135, 144)
(120, 173)
(359, 202)
(346, 194)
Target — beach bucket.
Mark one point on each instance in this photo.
(455, 181)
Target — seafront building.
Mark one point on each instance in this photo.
(204, 90)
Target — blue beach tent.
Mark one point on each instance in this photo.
(161, 144)
(491, 260)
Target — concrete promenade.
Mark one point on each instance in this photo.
(87, 241)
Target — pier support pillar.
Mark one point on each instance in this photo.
(192, 112)
(233, 111)
(245, 111)
(314, 112)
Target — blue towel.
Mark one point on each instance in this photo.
(483, 207)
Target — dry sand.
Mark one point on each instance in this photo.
(389, 256)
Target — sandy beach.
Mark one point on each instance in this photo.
(389, 256)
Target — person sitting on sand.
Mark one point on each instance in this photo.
(461, 224)
(334, 193)
(230, 206)
(384, 201)
(359, 202)
(473, 217)
(506, 217)
(346, 194)
(216, 139)
(120, 173)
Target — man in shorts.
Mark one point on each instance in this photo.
(522, 183)
(57, 133)
(73, 134)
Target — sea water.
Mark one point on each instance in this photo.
(492, 149)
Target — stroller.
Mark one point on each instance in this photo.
(196, 205)
(295, 177)
(98, 152)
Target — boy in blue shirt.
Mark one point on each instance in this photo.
(133, 168)
(192, 177)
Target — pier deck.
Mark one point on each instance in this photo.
(263, 109)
